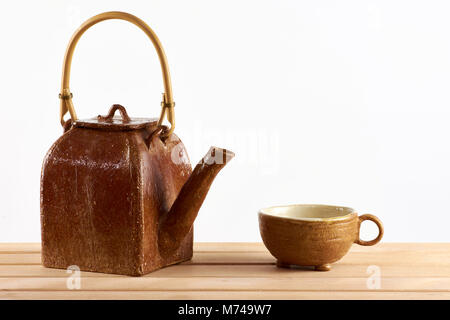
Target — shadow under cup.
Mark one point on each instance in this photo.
(312, 235)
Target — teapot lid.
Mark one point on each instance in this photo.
(115, 123)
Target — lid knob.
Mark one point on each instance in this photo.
(110, 116)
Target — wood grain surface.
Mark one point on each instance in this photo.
(242, 271)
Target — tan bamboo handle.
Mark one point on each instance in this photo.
(167, 103)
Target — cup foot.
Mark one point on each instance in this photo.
(323, 267)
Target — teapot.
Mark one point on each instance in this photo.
(118, 194)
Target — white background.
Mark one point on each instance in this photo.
(337, 102)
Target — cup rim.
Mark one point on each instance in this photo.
(350, 212)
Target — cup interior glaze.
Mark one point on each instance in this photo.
(312, 234)
(309, 212)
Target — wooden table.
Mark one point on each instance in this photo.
(243, 271)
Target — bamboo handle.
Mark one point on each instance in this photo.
(66, 96)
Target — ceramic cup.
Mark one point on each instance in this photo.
(312, 235)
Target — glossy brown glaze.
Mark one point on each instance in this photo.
(109, 195)
(175, 224)
(315, 242)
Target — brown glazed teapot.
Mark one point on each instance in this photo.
(118, 194)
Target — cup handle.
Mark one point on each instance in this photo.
(380, 230)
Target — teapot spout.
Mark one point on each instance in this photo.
(178, 222)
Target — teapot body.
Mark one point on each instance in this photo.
(118, 194)
(103, 194)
